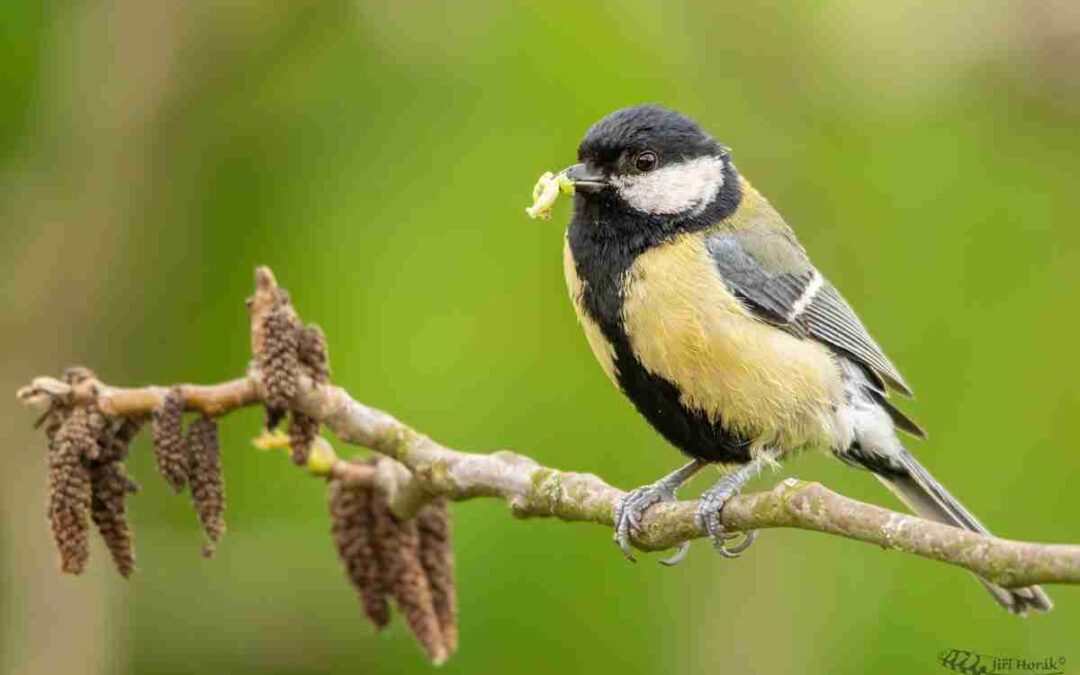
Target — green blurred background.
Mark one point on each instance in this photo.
(379, 156)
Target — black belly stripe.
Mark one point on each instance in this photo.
(691, 431)
(602, 263)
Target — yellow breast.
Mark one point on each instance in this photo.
(685, 326)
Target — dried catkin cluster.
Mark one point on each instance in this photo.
(192, 458)
(410, 561)
(87, 480)
(289, 349)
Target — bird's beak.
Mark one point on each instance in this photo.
(586, 179)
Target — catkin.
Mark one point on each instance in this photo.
(412, 561)
(110, 487)
(169, 447)
(437, 556)
(278, 360)
(98, 440)
(70, 492)
(313, 357)
(115, 445)
(353, 532)
(285, 350)
(206, 479)
(399, 553)
(313, 353)
(302, 433)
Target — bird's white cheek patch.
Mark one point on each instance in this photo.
(686, 187)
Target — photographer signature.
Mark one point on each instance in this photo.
(972, 663)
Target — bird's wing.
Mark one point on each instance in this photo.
(777, 282)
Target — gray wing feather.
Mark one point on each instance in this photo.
(829, 318)
(772, 295)
(801, 302)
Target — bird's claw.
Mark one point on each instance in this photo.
(677, 558)
(735, 550)
(628, 514)
(708, 516)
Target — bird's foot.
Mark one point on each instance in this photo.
(708, 514)
(631, 508)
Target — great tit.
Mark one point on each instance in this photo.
(705, 311)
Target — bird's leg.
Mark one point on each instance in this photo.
(713, 500)
(629, 510)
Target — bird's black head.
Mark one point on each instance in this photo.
(650, 170)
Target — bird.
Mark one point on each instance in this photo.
(706, 312)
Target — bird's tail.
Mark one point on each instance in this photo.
(914, 485)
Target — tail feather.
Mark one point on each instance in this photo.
(899, 418)
(914, 485)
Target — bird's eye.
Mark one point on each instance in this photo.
(646, 161)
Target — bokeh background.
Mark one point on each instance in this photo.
(379, 156)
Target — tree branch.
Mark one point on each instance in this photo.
(417, 469)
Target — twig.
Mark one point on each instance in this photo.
(423, 469)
